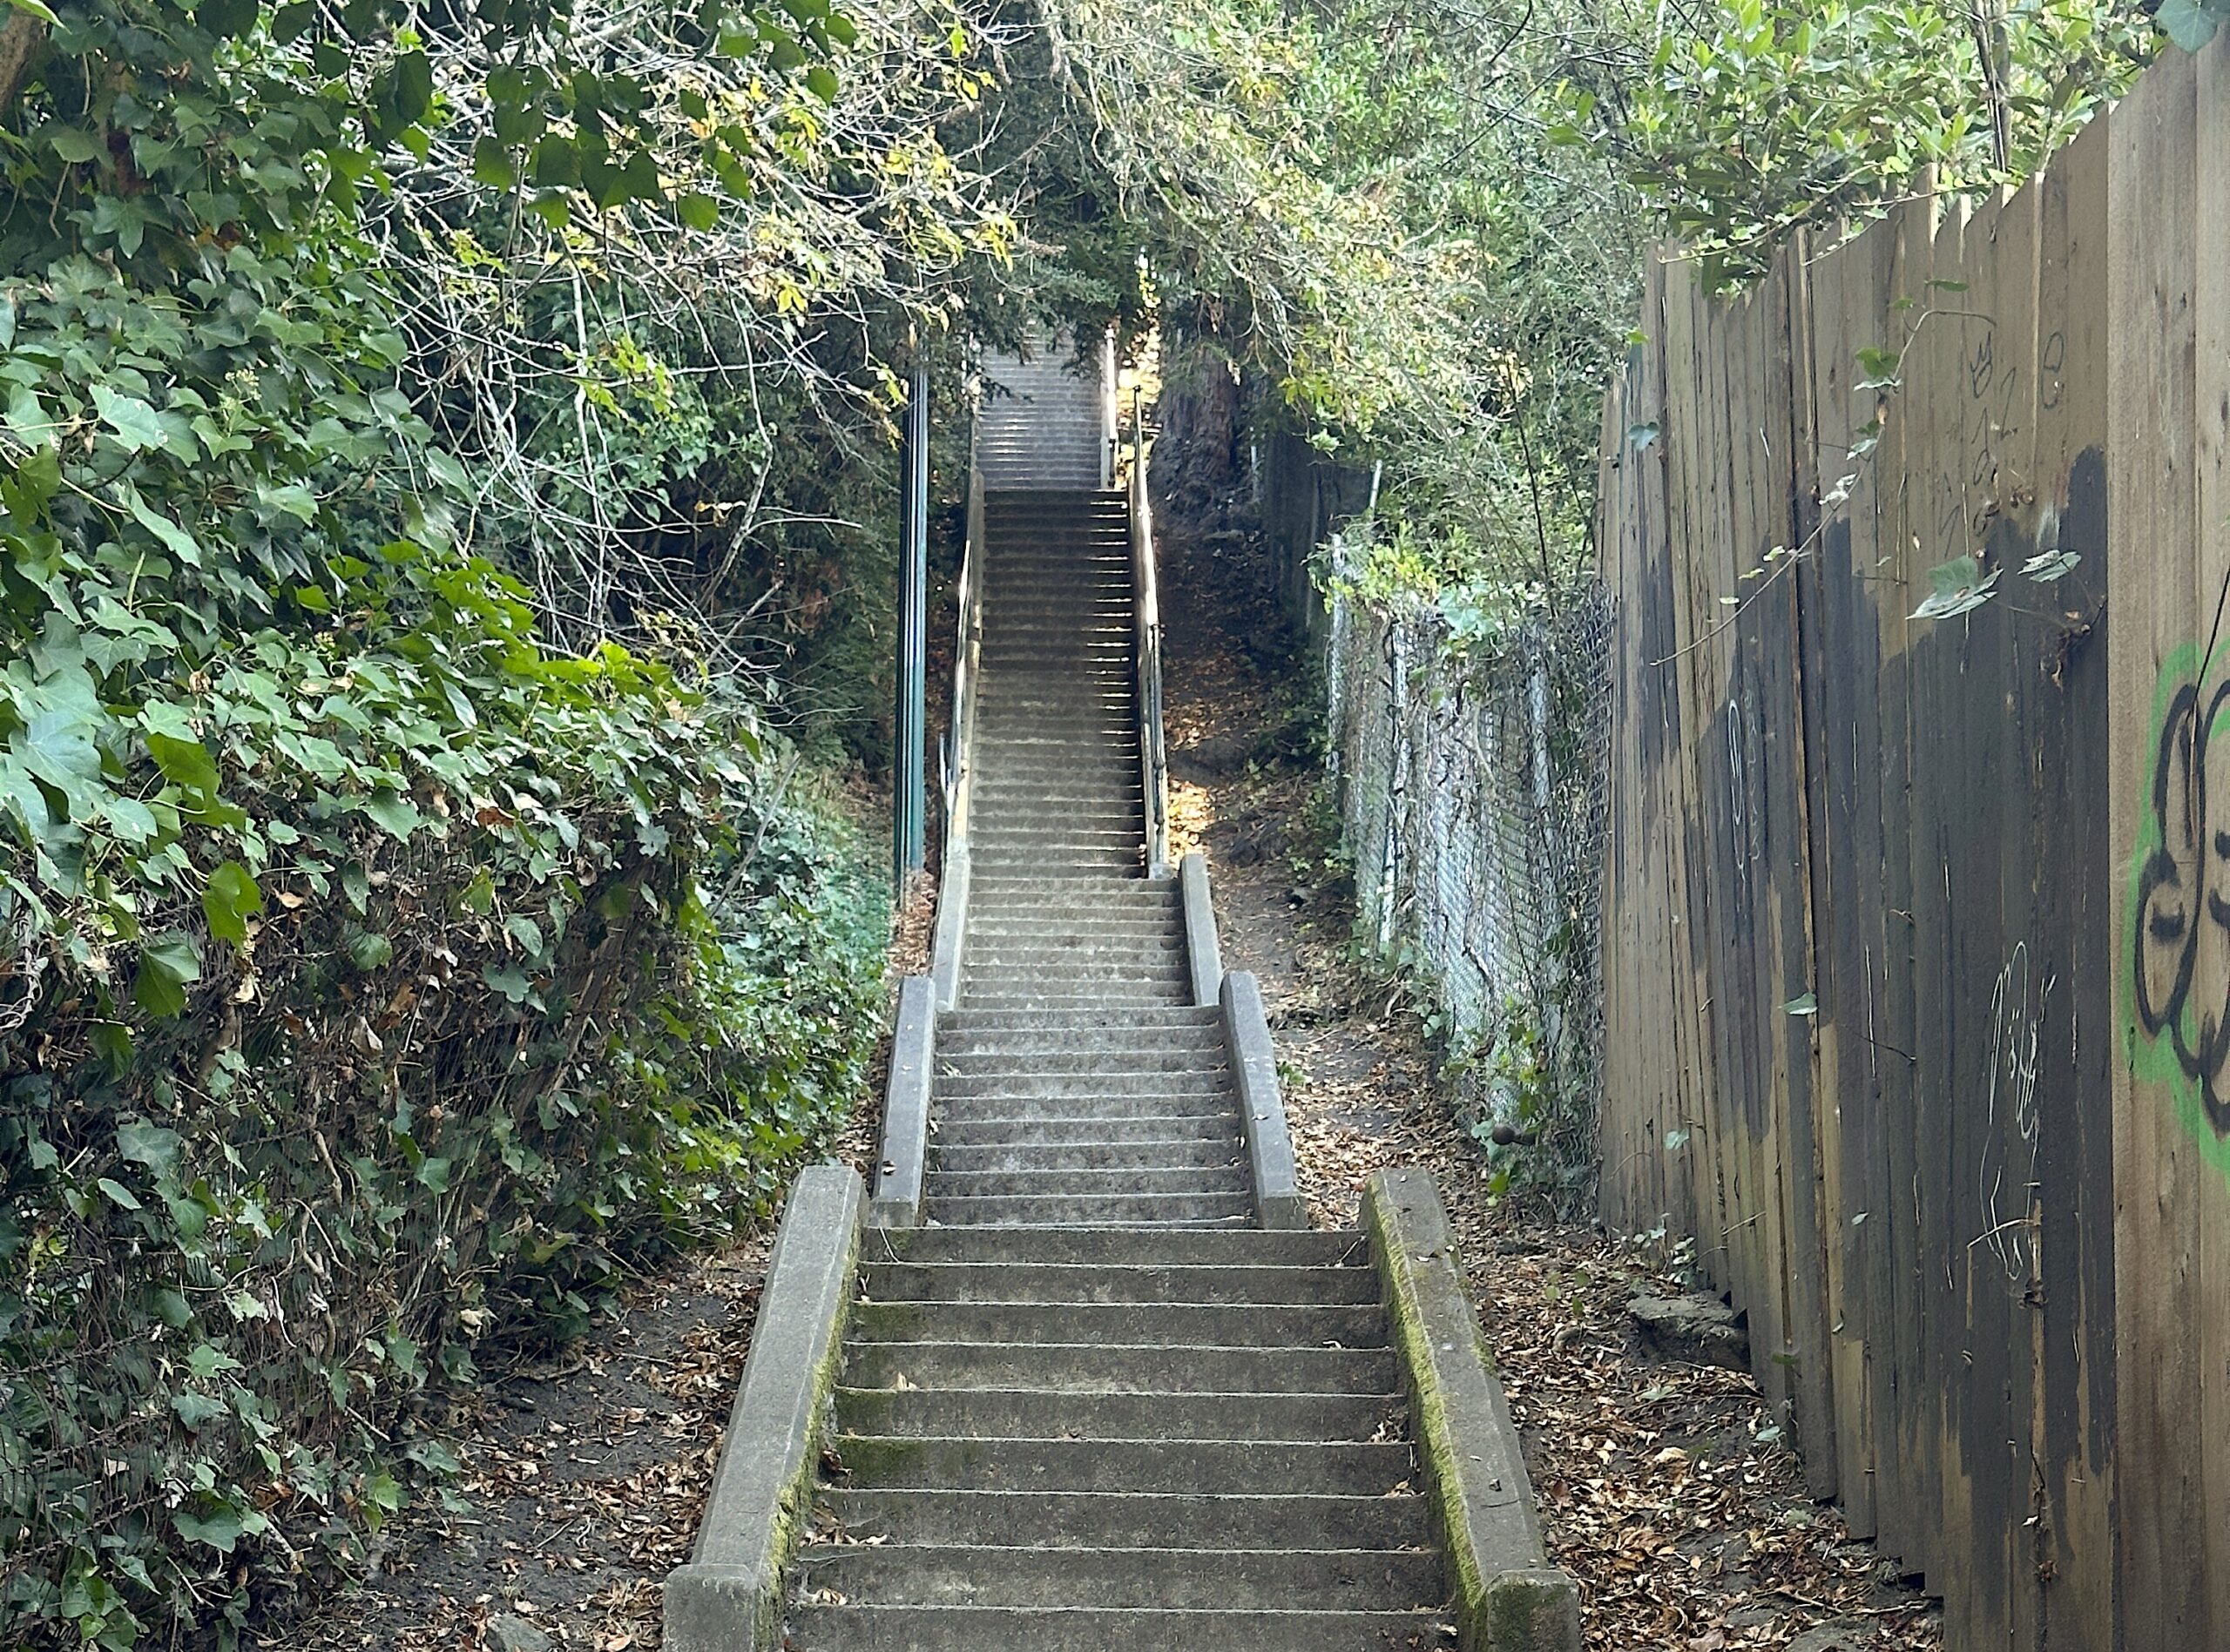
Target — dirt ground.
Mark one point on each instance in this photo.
(1663, 1488)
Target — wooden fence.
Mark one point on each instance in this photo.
(1917, 930)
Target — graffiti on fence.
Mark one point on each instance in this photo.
(2178, 924)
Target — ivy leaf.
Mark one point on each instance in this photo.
(1880, 367)
(225, 19)
(394, 811)
(138, 426)
(133, 821)
(194, 1410)
(149, 1145)
(1960, 586)
(181, 544)
(118, 1194)
(74, 145)
(167, 966)
(369, 950)
(206, 1360)
(57, 747)
(228, 901)
(492, 164)
(821, 80)
(2048, 565)
(221, 1530)
(2190, 23)
(512, 983)
(184, 763)
(698, 211)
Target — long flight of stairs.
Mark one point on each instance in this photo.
(1043, 422)
(1074, 1080)
(1089, 1408)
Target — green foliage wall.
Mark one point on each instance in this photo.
(387, 955)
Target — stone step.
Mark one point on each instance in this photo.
(1051, 841)
(1116, 963)
(1105, 908)
(1086, 1090)
(1005, 1412)
(980, 1128)
(1010, 1117)
(1119, 1043)
(1093, 765)
(1055, 542)
(1116, 968)
(1193, 1325)
(900, 1574)
(999, 912)
(996, 995)
(1057, 597)
(1091, 1062)
(1081, 1628)
(1102, 709)
(1190, 1467)
(997, 796)
(975, 1128)
(1222, 1209)
(1110, 1027)
(1129, 1519)
(1305, 1248)
(1116, 1094)
(962, 1124)
(1150, 941)
(1121, 1367)
(1105, 979)
(1086, 904)
(1031, 1019)
(1098, 755)
(1032, 899)
(1203, 1153)
(1205, 1058)
(1100, 1077)
(1043, 1282)
(1084, 874)
(994, 794)
(992, 726)
(1083, 1183)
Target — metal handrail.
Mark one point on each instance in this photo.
(1153, 756)
(960, 746)
(1111, 410)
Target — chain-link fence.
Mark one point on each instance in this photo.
(1473, 787)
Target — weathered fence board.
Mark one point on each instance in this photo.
(1918, 929)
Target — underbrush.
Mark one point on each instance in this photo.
(440, 990)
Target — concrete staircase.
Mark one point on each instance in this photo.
(1073, 1081)
(1090, 1407)
(1118, 1439)
(1043, 422)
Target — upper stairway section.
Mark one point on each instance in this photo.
(1059, 784)
(1046, 421)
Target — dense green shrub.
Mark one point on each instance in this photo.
(377, 977)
